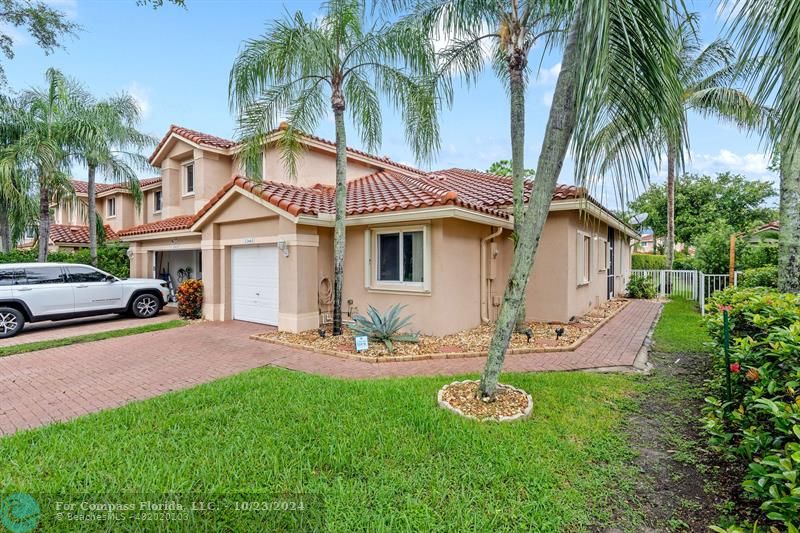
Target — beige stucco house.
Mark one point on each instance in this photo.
(438, 242)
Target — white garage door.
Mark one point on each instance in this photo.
(255, 284)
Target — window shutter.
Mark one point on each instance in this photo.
(579, 257)
(367, 258)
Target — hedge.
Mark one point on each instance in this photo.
(648, 262)
(759, 277)
(113, 259)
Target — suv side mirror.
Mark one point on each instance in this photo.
(111, 278)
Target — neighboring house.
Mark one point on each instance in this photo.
(438, 242)
(68, 238)
(646, 245)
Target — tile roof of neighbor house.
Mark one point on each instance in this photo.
(177, 223)
(67, 234)
(82, 187)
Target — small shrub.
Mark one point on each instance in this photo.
(757, 256)
(384, 328)
(759, 277)
(641, 287)
(648, 262)
(190, 299)
(683, 262)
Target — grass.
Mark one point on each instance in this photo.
(376, 454)
(680, 328)
(91, 337)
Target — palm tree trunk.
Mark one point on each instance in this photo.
(92, 194)
(789, 234)
(517, 93)
(560, 126)
(341, 199)
(5, 228)
(669, 242)
(44, 220)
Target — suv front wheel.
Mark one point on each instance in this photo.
(145, 306)
(11, 322)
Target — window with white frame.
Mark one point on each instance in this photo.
(602, 255)
(188, 178)
(111, 207)
(157, 198)
(584, 258)
(398, 258)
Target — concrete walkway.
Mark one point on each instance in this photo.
(58, 384)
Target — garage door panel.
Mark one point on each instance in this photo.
(255, 284)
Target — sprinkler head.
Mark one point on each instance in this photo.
(529, 334)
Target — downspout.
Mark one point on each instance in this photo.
(484, 281)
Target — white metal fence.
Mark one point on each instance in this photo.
(691, 284)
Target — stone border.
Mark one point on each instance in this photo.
(446, 355)
(519, 416)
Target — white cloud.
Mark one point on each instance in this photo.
(548, 76)
(547, 98)
(141, 95)
(68, 7)
(750, 164)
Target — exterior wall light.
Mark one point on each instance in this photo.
(283, 247)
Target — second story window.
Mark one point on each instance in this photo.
(111, 207)
(188, 178)
(157, 202)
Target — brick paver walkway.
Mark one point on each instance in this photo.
(42, 387)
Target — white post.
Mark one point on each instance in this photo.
(662, 290)
(702, 293)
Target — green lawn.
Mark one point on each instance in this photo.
(367, 454)
(680, 328)
(55, 343)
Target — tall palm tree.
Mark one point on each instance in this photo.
(47, 127)
(707, 76)
(297, 64)
(116, 155)
(768, 32)
(617, 66)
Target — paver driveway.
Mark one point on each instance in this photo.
(61, 383)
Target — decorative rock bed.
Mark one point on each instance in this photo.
(469, 343)
(510, 403)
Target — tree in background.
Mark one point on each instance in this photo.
(701, 200)
(47, 127)
(768, 33)
(708, 77)
(116, 156)
(298, 64)
(503, 168)
(603, 78)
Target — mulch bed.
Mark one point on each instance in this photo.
(509, 402)
(473, 340)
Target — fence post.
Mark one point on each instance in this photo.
(736, 278)
(663, 290)
(702, 293)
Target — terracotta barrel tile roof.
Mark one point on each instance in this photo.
(168, 224)
(63, 233)
(82, 187)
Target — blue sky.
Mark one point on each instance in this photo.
(176, 63)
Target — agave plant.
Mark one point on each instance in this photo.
(384, 328)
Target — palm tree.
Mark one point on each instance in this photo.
(297, 64)
(117, 119)
(46, 127)
(767, 32)
(707, 76)
(617, 66)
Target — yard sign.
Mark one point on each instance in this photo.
(362, 343)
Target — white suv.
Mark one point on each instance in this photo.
(35, 292)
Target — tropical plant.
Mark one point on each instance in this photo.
(385, 328)
(116, 154)
(190, 299)
(289, 72)
(767, 33)
(618, 65)
(641, 287)
(503, 168)
(707, 77)
(111, 258)
(46, 127)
